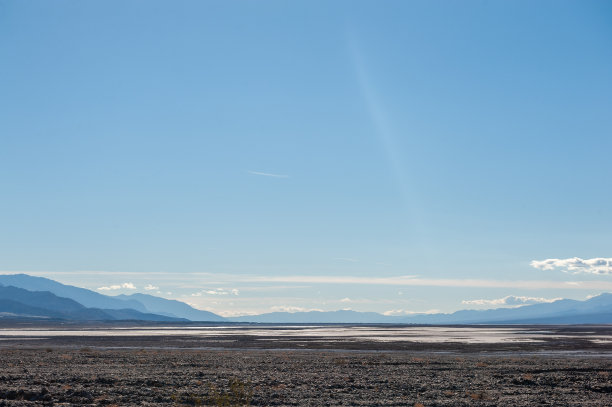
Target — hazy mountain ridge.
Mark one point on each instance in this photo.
(538, 313)
(142, 303)
(42, 297)
(83, 296)
(597, 310)
(44, 304)
(175, 308)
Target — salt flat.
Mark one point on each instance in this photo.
(329, 333)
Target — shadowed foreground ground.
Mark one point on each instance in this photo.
(300, 378)
(566, 366)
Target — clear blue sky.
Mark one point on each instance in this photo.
(308, 154)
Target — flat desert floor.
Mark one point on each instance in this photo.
(305, 366)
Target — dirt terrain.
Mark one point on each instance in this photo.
(114, 371)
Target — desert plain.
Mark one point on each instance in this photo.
(127, 365)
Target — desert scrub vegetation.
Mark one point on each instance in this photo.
(236, 393)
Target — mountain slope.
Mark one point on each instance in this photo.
(20, 302)
(92, 299)
(83, 296)
(171, 307)
(15, 309)
(41, 299)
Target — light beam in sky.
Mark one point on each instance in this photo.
(387, 139)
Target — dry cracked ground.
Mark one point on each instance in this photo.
(119, 377)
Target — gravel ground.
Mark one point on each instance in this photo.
(166, 377)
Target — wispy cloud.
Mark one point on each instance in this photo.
(271, 288)
(249, 282)
(150, 287)
(128, 286)
(217, 291)
(268, 174)
(431, 282)
(231, 313)
(511, 300)
(399, 312)
(598, 265)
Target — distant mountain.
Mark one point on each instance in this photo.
(140, 302)
(171, 307)
(87, 304)
(15, 309)
(83, 296)
(596, 310)
(130, 314)
(18, 302)
(53, 305)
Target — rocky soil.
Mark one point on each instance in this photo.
(167, 377)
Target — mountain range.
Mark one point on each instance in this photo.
(596, 310)
(44, 304)
(25, 296)
(22, 295)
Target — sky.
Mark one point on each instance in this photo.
(255, 156)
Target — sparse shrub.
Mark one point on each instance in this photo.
(239, 393)
(340, 361)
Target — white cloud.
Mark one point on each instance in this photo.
(217, 291)
(230, 313)
(268, 174)
(150, 287)
(598, 265)
(128, 286)
(346, 299)
(400, 312)
(511, 300)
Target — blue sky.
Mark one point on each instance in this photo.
(253, 156)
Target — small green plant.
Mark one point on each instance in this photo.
(238, 393)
